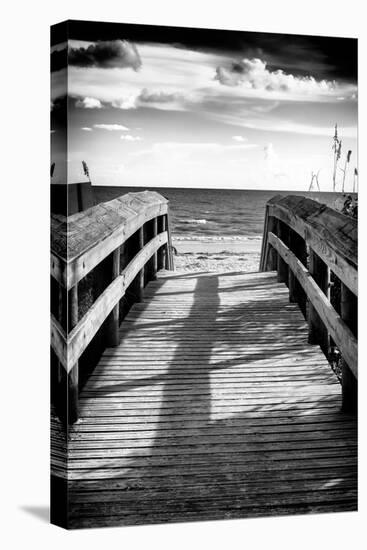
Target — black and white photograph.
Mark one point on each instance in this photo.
(204, 274)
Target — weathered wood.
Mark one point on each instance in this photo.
(151, 270)
(73, 374)
(272, 255)
(60, 368)
(112, 321)
(320, 272)
(296, 293)
(209, 428)
(332, 235)
(69, 349)
(170, 262)
(162, 251)
(336, 327)
(349, 313)
(268, 261)
(83, 240)
(58, 339)
(124, 304)
(282, 267)
(155, 255)
(139, 283)
(165, 259)
(264, 243)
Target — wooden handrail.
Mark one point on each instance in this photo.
(339, 331)
(133, 229)
(332, 235)
(69, 347)
(83, 240)
(306, 241)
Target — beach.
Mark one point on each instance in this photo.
(226, 254)
(215, 229)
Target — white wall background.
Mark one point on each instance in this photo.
(25, 272)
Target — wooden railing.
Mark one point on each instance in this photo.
(101, 259)
(313, 247)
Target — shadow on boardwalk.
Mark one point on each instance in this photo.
(222, 443)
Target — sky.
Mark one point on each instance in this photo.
(163, 106)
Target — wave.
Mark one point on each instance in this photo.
(197, 222)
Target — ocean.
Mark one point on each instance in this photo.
(213, 214)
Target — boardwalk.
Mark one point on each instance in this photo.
(213, 406)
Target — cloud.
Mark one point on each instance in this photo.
(89, 103)
(111, 127)
(253, 74)
(128, 137)
(59, 59)
(147, 96)
(106, 55)
(86, 129)
(128, 102)
(169, 75)
(270, 154)
(239, 138)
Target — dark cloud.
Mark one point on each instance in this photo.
(322, 57)
(59, 59)
(105, 54)
(254, 74)
(108, 54)
(59, 112)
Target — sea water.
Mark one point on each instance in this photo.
(214, 214)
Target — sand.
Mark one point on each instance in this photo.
(217, 254)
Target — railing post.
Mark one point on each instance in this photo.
(272, 260)
(317, 332)
(140, 276)
(171, 265)
(112, 322)
(123, 305)
(296, 293)
(166, 246)
(282, 267)
(162, 252)
(73, 376)
(349, 314)
(154, 267)
(60, 368)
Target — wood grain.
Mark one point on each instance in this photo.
(332, 235)
(69, 349)
(83, 240)
(339, 331)
(213, 406)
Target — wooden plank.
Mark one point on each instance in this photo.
(70, 350)
(282, 266)
(296, 293)
(317, 332)
(211, 403)
(339, 331)
(170, 261)
(73, 372)
(86, 238)
(349, 314)
(139, 287)
(332, 235)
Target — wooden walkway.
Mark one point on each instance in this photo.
(213, 406)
